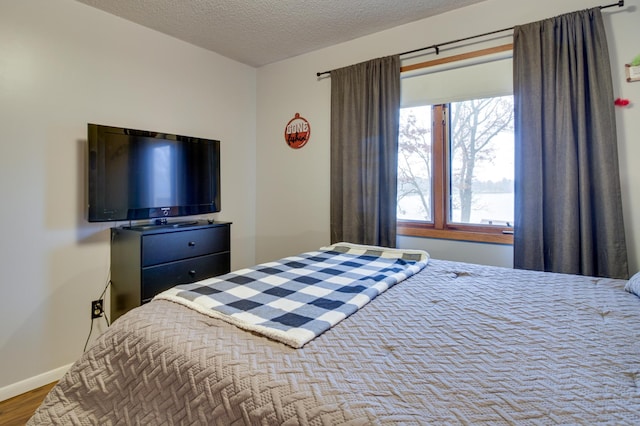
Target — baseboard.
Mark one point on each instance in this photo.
(34, 382)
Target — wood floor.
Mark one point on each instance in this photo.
(17, 410)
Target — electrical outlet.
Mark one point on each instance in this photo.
(97, 309)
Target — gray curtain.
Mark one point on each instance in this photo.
(567, 194)
(365, 108)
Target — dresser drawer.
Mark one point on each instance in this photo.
(156, 279)
(168, 247)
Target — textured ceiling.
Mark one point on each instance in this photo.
(259, 32)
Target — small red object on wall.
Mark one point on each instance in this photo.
(621, 102)
(297, 132)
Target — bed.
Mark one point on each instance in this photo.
(454, 343)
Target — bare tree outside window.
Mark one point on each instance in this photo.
(474, 128)
(414, 164)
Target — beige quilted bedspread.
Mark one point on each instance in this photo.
(455, 344)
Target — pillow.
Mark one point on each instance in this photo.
(633, 285)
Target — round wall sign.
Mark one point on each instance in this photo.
(297, 132)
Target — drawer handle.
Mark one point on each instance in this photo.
(192, 273)
(192, 243)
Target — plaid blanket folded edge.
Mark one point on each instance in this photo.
(295, 338)
(384, 252)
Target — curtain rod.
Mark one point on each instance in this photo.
(436, 47)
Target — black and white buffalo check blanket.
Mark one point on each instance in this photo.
(297, 298)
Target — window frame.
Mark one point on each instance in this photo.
(441, 227)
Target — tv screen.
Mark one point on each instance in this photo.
(138, 174)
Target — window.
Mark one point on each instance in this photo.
(481, 161)
(455, 158)
(455, 170)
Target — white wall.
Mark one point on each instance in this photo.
(623, 35)
(62, 65)
(293, 186)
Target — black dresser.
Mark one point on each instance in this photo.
(148, 259)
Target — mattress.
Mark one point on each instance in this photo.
(454, 344)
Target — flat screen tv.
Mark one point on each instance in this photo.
(139, 174)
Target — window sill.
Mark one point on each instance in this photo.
(420, 230)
